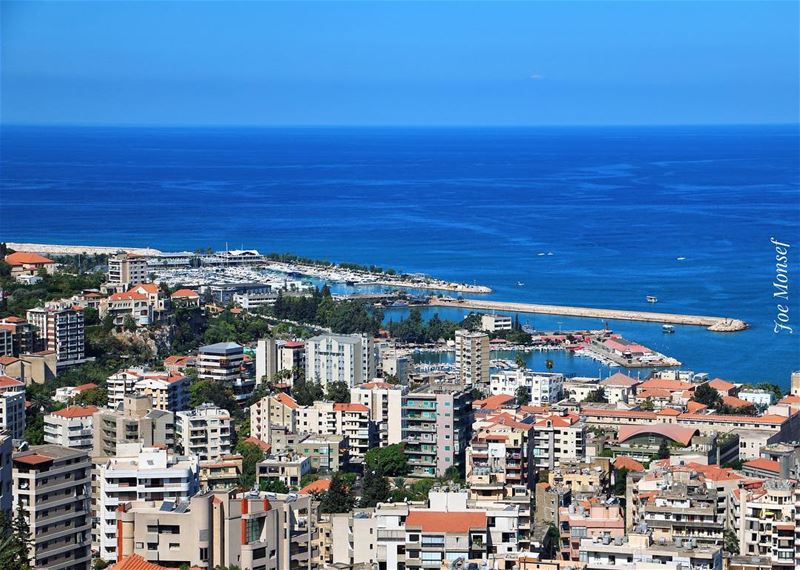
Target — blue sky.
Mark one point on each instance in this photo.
(404, 63)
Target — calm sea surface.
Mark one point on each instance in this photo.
(682, 213)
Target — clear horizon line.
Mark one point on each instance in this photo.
(388, 125)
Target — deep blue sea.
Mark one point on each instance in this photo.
(616, 207)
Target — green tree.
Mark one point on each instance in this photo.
(339, 496)
(663, 450)
(523, 395)
(375, 488)
(128, 323)
(730, 542)
(274, 486)
(648, 405)
(338, 392)
(390, 460)
(549, 364)
(707, 396)
(306, 393)
(251, 456)
(213, 392)
(519, 360)
(15, 541)
(93, 397)
(596, 396)
(620, 482)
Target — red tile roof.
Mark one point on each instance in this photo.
(629, 463)
(453, 522)
(735, 402)
(493, 402)
(13, 319)
(136, 562)
(293, 344)
(339, 407)
(185, 294)
(286, 400)
(693, 406)
(33, 459)
(763, 464)
(668, 412)
(25, 258)
(720, 384)
(619, 379)
(671, 385)
(8, 382)
(318, 486)
(84, 387)
(263, 445)
(377, 385)
(128, 296)
(6, 360)
(681, 434)
(76, 411)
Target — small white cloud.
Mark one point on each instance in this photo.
(537, 77)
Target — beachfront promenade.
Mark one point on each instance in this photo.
(717, 324)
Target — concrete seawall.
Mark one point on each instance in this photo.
(716, 324)
(45, 249)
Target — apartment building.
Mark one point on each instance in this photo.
(204, 432)
(134, 421)
(638, 551)
(6, 487)
(51, 487)
(545, 388)
(12, 407)
(578, 522)
(338, 358)
(325, 453)
(60, 328)
(396, 364)
(556, 438)
(266, 360)
(385, 404)
(126, 270)
(291, 357)
(767, 522)
(6, 342)
(472, 357)
(350, 420)
(224, 528)
(70, 427)
(222, 473)
(288, 468)
(137, 473)
(66, 394)
(437, 426)
(168, 391)
(276, 410)
(496, 323)
(497, 459)
(23, 335)
(221, 362)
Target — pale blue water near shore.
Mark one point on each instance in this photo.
(616, 207)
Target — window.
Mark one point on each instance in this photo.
(204, 554)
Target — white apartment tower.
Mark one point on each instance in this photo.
(125, 270)
(335, 358)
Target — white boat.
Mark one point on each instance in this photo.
(667, 329)
(652, 299)
(680, 258)
(520, 284)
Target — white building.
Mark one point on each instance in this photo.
(204, 432)
(169, 391)
(385, 403)
(495, 323)
(137, 474)
(70, 427)
(757, 397)
(221, 362)
(472, 357)
(399, 365)
(545, 387)
(12, 407)
(330, 418)
(291, 357)
(60, 328)
(335, 358)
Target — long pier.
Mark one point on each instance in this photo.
(716, 324)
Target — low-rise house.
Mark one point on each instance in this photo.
(588, 520)
(28, 263)
(66, 394)
(288, 468)
(169, 391)
(638, 551)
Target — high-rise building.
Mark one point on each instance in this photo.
(266, 360)
(385, 403)
(125, 270)
(23, 335)
(52, 487)
(60, 328)
(437, 427)
(472, 357)
(12, 407)
(291, 357)
(221, 362)
(6, 491)
(335, 358)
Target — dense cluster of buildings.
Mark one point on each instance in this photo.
(522, 469)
